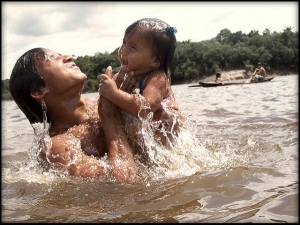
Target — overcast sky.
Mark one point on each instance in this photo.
(85, 28)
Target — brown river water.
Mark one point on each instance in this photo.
(235, 161)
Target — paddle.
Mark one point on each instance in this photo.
(249, 80)
(197, 85)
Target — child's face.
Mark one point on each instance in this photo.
(136, 54)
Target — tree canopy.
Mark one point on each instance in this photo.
(277, 51)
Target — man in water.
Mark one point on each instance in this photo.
(259, 73)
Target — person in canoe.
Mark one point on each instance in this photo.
(259, 73)
(218, 78)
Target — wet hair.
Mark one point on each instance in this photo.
(162, 38)
(218, 75)
(25, 79)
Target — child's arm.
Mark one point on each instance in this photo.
(154, 88)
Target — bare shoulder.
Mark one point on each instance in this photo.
(155, 77)
(66, 154)
(160, 74)
(62, 149)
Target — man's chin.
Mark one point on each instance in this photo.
(81, 74)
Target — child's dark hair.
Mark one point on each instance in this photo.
(218, 75)
(162, 37)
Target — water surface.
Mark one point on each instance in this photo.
(237, 161)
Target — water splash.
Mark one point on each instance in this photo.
(184, 154)
(181, 155)
(125, 77)
(42, 141)
(48, 57)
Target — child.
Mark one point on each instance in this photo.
(218, 78)
(147, 50)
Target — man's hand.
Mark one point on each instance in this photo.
(123, 80)
(107, 84)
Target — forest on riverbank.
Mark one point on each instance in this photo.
(277, 51)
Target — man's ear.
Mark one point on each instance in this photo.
(38, 94)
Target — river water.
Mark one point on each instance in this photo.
(236, 161)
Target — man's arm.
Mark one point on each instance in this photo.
(66, 153)
(120, 155)
(255, 71)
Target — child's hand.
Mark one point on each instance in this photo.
(107, 84)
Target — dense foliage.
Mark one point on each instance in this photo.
(277, 51)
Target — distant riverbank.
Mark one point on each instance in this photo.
(234, 75)
(225, 75)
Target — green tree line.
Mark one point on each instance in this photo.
(277, 51)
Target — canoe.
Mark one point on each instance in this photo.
(230, 82)
(266, 79)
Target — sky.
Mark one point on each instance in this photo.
(86, 28)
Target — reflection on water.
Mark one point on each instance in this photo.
(235, 161)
